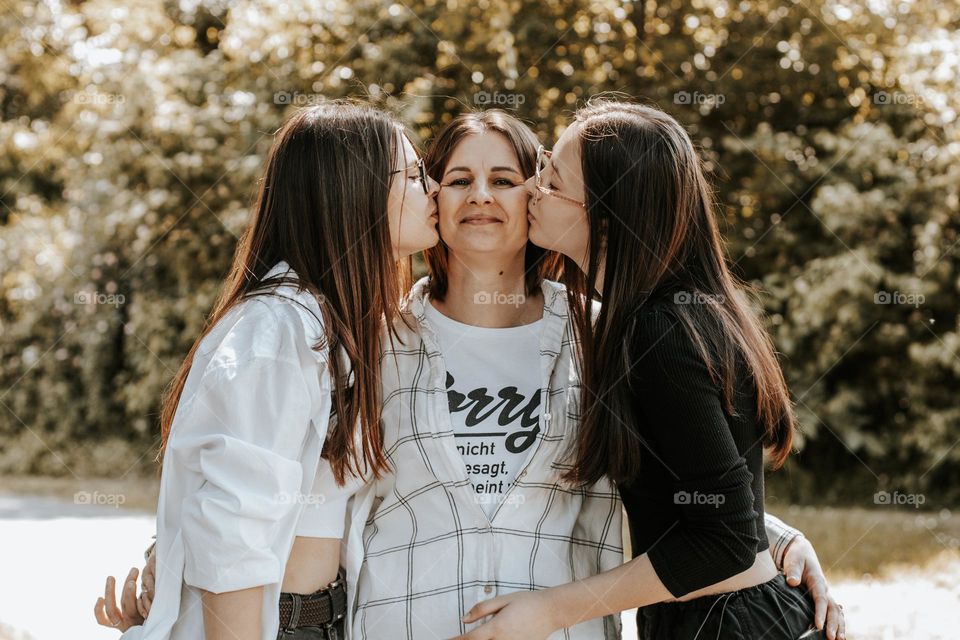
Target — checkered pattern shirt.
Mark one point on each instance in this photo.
(420, 549)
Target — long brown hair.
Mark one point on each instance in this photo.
(539, 263)
(322, 208)
(651, 220)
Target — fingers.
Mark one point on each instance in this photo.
(99, 612)
(110, 600)
(128, 598)
(793, 567)
(144, 602)
(150, 569)
(835, 624)
(481, 610)
(820, 611)
(813, 580)
(148, 578)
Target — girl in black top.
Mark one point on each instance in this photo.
(681, 391)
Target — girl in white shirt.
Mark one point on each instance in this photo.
(250, 512)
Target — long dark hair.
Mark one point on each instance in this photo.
(322, 208)
(539, 263)
(651, 220)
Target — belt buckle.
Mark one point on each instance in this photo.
(330, 629)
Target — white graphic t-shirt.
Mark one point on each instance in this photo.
(493, 389)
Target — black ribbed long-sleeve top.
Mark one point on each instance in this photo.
(696, 506)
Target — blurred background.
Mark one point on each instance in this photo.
(132, 137)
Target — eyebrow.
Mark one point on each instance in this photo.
(492, 169)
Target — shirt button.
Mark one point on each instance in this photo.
(488, 589)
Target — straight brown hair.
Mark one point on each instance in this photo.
(322, 208)
(539, 263)
(651, 220)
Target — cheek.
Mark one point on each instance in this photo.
(394, 205)
(448, 203)
(415, 202)
(562, 223)
(575, 226)
(514, 202)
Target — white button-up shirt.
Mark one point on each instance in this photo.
(242, 461)
(421, 551)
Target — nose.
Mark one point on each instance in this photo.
(480, 194)
(433, 187)
(530, 184)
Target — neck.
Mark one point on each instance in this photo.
(584, 264)
(489, 291)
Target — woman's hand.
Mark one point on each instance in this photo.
(801, 566)
(525, 615)
(106, 610)
(133, 610)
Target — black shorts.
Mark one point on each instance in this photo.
(315, 633)
(770, 611)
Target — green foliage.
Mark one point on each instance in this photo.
(132, 137)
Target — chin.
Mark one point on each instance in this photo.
(537, 240)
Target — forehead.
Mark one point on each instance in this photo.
(567, 143)
(480, 150)
(405, 148)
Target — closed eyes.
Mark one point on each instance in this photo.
(463, 182)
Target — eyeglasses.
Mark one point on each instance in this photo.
(542, 156)
(423, 174)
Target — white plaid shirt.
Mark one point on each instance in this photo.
(421, 551)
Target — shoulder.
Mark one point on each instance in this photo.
(662, 342)
(656, 321)
(270, 326)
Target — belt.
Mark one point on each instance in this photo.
(324, 608)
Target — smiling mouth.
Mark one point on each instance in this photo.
(479, 220)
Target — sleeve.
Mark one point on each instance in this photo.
(780, 534)
(686, 429)
(242, 435)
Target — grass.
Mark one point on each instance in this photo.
(139, 494)
(854, 542)
(851, 542)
